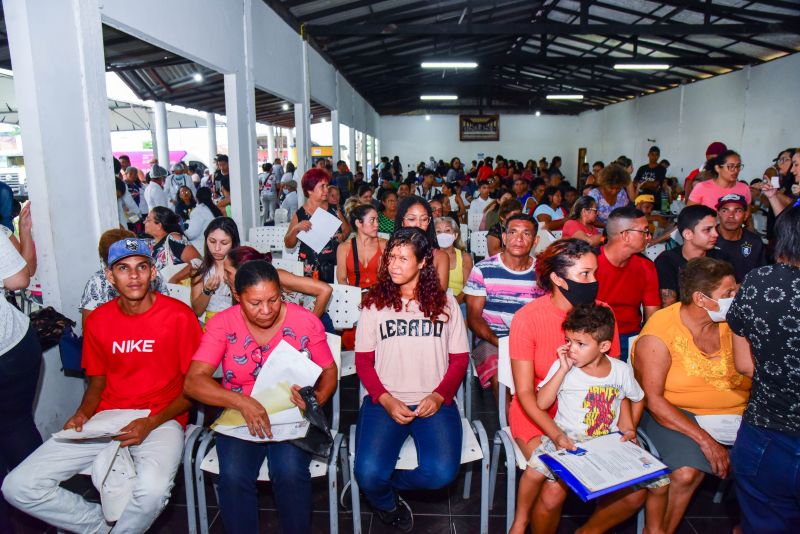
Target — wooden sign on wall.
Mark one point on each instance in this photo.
(479, 127)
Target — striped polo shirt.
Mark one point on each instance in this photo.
(506, 291)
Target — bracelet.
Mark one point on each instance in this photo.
(207, 292)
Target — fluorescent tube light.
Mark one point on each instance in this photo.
(564, 97)
(449, 65)
(438, 97)
(641, 66)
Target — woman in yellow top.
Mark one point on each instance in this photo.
(448, 235)
(683, 359)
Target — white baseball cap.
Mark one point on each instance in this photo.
(113, 474)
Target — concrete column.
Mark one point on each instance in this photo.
(162, 138)
(63, 111)
(337, 144)
(301, 142)
(363, 155)
(303, 126)
(352, 152)
(211, 130)
(153, 137)
(271, 144)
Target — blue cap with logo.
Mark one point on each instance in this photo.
(126, 248)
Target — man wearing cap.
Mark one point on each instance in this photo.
(646, 203)
(223, 171)
(179, 178)
(154, 194)
(651, 176)
(744, 249)
(697, 175)
(136, 350)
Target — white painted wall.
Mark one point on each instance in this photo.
(754, 111)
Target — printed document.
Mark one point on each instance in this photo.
(105, 424)
(323, 227)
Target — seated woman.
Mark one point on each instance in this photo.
(549, 213)
(612, 190)
(581, 222)
(201, 216)
(210, 293)
(358, 259)
(415, 212)
(98, 290)
(494, 237)
(174, 255)
(411, 356)
(683, 358)
(388, 212)
(184, 205)
(320, 265)
(252, 330)
(448, 235)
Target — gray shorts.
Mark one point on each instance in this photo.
(674, 448)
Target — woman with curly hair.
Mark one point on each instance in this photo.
(411, 356)
(416, 212)
(613, 191)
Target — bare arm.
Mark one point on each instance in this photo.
(648, 311)
(442, 264)
(341, 262)
(290, 239)
(89, 403)
(743, 356)
(27, 248)
(547, 394)
(19, 280)
(493, 244)
(308, 286)
(466, 268)
(523, 373)
(593, 240)
(345, 230)
(475, 319)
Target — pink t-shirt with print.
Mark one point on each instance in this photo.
(708, 193)
(411, 352)
(228, 340)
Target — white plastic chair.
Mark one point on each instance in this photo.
(478, 244)
(293, 266)
(343, 307)
(290, 254)
(653, 251)
(515, 458)
(208, 462)
(474, 219)
(267, 238)
(465, 231)
(474, 447)
(384, 235)
(181, 292)
(545, 239)
(281, 216)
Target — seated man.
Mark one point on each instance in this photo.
(136, 350)
(744, 248)
(698, 226)
(496, 289)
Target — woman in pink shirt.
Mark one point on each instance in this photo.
(725, 168)
(581, 220)
(411, 356)
(241, 338)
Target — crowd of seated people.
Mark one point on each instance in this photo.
(707, 329)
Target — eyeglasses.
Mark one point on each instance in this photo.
(784, 159)
(645, 232)
(734, 166)
(589, 209)
(413, 220)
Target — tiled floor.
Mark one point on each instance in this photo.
(437, 512)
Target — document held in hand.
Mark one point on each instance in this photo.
(284, 367)
(603, 465)
(105, 424)
(323, 227)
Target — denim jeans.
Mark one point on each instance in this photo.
(766, 466)
(378, 442)
(19, 375)
(239, 463)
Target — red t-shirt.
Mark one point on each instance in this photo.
(572, 226)
(484, 172)
(627, 288)
(144, 357)
(535, 335)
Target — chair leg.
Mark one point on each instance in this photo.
(333, 487)
(640, 521)
(199, 481)
(354, 493)
(493, 469)
(484, 441)
(188, 480)
(467, 482)
(722, 489)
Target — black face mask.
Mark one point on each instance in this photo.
(580, 293)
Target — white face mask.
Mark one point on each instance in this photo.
(445, 240)
(724, 306)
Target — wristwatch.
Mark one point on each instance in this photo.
(207, 292)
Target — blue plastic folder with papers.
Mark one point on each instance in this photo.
(604, 465)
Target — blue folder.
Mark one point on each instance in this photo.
(582, 491)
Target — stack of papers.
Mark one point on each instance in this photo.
(284, 367)
(105, 424)
(604, 465)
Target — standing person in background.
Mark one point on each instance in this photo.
(175, 181)
(268, 182)
(201, 216)
(154, 195)
(627, 280)
(290, 200)
(277, 168)
(343, 179)
(287, 175)
(555, 167)
(194, 175)
(223, 171)
(714, 149)
(611, 192)
(136, 190)
(725, 170)
(650, 177)
(763, 319)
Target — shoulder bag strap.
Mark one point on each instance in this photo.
(356, 266)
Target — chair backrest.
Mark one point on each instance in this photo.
(630, 347)
(653, 251)
(181, 292)
(290, 254)
(474, 219)
(267, 238)
(505, 378)
(464, 229)
(545, 239)
(478, 244)
(281, 216)
(293, 266)
(343, 307)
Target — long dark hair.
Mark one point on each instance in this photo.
(204, 198)
(255, 272)
(787, 236)
(227, 225)
(429, 295)
(167, 219)
(583, 203)
(403, 208)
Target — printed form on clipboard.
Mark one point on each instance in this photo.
(284, 367)
(604, 465)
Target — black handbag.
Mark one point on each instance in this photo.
(319, 440)
(50, 326)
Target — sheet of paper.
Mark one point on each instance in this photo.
(722, 428)
(323, 226)
(280, 432)
(284, 367)
(105, 424)
(608, 462)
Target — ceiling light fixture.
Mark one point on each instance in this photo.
(641, 66)
(564, 97)
(323, 119)
(449, 65)
(538, 113)
(438, 97)
(198, 77)
(285, 107)
(427, 117)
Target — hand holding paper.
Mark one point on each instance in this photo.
(323, 227)
(105, 424)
